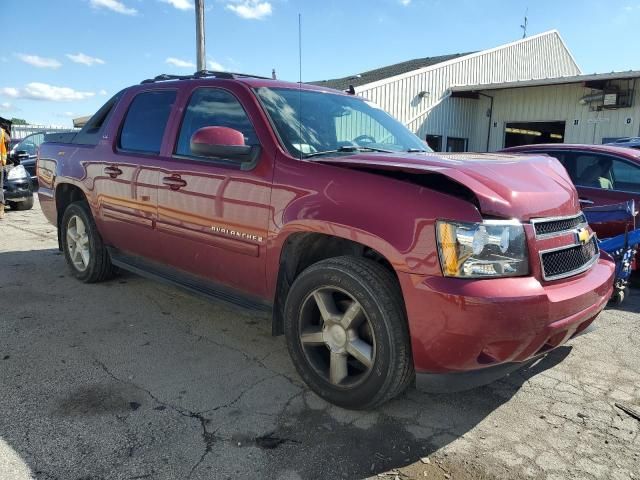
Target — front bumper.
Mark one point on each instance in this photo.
(17, 190)
(460, 325)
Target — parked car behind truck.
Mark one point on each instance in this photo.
(381, 262)
(602, 174)
(24, 153)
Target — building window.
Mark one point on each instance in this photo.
(435, 142)
(455, 144)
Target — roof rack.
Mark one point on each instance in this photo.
(202, 74)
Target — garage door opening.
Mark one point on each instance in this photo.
(532, 133)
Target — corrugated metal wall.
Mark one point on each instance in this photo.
(554, 103)
(541, 56)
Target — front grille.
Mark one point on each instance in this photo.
(568, 261)
(549, 227)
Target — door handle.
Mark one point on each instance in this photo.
(174, 182)
(585, 201)
(112, 171)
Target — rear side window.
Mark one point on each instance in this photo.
(146, 120)
(90, 133)
(213, 107)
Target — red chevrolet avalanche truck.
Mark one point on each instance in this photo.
(382, 263)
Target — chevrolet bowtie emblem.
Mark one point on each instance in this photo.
(582, 235)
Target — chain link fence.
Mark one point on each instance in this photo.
(21, 131)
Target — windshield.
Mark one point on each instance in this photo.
(29, 144)
(334, 124)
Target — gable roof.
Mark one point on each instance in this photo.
(409, 68)
(381, 73)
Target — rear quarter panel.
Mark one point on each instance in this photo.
(59, 164)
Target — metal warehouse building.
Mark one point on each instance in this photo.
(529, 91)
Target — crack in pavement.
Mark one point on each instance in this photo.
(247, 356)
(209, 437)
(259, 361)
(41, 235)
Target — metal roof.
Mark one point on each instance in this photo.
(385, 72)
(630, 74)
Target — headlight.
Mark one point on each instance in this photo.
(493, 248)
(17, 172)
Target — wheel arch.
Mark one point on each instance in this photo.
(301, 249)
(65, 195)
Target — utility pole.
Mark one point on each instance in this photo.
(200, 52)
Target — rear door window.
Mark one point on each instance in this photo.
(146, 120)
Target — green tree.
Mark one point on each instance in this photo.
(19, 121)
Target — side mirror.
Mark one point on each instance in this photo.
(223, 142)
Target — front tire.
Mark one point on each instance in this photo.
(347, 332)
(86, 255)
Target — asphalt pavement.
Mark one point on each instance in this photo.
(132, 379)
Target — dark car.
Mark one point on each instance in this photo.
(17, 187)
(602, 174)
(24, 153)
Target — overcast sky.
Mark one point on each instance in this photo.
(64, 58)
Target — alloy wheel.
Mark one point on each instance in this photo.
(337, 337)
(78, 243)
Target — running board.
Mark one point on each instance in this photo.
(190, 283)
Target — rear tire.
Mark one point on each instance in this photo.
(86, 255)
(347, 332)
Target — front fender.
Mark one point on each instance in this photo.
(394, 217)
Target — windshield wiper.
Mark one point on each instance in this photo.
(348, 148)
(416, 150)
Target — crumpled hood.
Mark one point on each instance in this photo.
(508, 186)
